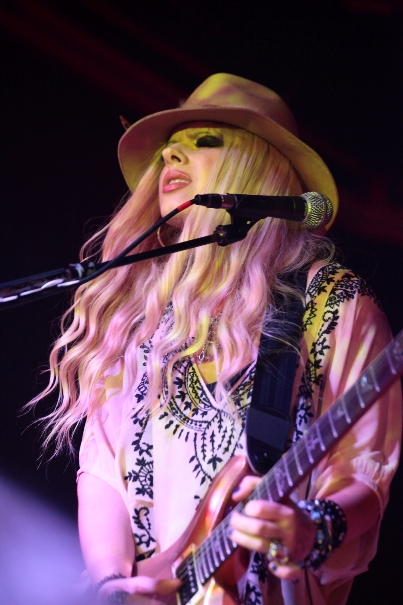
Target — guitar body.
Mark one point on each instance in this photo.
(213, 508)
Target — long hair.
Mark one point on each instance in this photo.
(117, 312)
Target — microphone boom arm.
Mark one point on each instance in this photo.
(22, 291)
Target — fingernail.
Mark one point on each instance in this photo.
(273, 566)
(236, 489)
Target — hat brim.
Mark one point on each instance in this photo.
(142, 140)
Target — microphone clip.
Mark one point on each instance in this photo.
(235, 232)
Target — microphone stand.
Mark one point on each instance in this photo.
(22, 291)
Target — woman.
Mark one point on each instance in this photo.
(160, 358)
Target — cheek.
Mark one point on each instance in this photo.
(208, 165)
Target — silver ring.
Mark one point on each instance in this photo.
(278, 552)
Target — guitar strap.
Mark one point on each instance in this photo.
(268, 417)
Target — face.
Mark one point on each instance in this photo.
(189, 158)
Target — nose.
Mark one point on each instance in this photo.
(174, 154)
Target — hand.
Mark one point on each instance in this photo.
(264, 521)
(140, 590)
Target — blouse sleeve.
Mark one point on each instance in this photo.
(99, 443)
(370, 450)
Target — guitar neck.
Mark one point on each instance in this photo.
(306, 453)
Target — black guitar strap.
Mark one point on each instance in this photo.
(268, 417)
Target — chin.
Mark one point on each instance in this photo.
(167, 205)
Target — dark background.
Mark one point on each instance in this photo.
(68, 70)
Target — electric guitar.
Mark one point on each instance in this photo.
(205, 554)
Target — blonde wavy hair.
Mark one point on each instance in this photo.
(117, 312)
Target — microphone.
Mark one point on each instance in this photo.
(313, 210)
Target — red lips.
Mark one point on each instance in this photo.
(175, 179)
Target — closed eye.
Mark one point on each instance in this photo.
(209, 140)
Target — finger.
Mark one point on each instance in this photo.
(253, 534)
(270, 511)
(166, 587)
(249, 541)
(245, 488)
(254, 526)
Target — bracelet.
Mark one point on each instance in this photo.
(331, 527)
(113, 576)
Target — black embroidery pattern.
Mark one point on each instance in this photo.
(142, 479)
(141, 519)
(341, 290)
(142, 388)
(214, 431)
(258, 576)
(322, 279)
(253, 594)
(259, 567)
(348, 287)
(142, 476)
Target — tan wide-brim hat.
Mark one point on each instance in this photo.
(239, 102)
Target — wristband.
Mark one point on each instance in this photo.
(113, 576)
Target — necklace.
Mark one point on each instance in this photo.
(206, 354)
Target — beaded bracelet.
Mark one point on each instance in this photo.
(331, 527)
